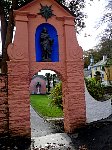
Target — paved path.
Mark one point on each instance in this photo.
(44, 134)
(39, 127)
(96, 136)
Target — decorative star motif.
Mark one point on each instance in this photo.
(46, 12)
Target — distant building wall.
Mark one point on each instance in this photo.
(33, 88)
(108, 73)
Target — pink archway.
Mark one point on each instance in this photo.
(22, 66)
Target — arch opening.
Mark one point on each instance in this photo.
(41, 88)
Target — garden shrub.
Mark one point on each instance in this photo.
(108, 89)
(95, 88)
(56, 95)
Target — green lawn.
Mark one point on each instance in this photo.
(42, 104)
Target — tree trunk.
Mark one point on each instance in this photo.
(49, 87)
(3, 26)
(8, 40)
(54, 76)
(7, 34)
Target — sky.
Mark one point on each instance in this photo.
(43, 72)
(88, 38)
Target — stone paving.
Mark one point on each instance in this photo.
(39, 126)
(94, 136)
(45, 135)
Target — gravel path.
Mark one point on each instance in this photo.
(39, 127)
(46, 136)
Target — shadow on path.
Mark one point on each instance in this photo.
(97, 136)
(39, 126)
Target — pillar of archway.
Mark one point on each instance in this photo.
(74, 97)
(24, 64)
(18, 81)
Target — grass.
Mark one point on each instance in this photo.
(42, 105)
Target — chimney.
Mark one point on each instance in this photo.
(91, 60)
(104, 57)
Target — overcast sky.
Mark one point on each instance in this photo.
(88, 37)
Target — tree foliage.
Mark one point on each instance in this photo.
(48, 78)
(103, 48)
(76, 6)
(107, 16)
(56, 95)
(87, 55)
(54, 76)
(105, 45)
(95, 88)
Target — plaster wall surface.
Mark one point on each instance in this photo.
(19, 98)
(33, 88)
(22, 66)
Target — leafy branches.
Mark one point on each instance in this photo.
(95, 88)
(56, 95)
(76, 6)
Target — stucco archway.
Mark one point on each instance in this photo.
(22, 66)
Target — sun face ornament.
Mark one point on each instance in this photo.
(46, 12)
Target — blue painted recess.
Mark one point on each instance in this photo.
(53, 35)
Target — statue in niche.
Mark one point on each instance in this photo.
(46, 44)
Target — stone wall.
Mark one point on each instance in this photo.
(3, 105)
(18, 98)
(22, 66)
(74, 105)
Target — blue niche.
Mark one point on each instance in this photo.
(53, 35)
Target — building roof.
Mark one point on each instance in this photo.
(100, 63)
(87, 72)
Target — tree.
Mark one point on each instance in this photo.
(76, 6)
(86, 62)
(106, 37)
(105, 45)
(48, 78)
(54, 76)
(95, 88)
(7, 20)
(6, 30)
(56, 95)
(98, 76)
(107, 16)
(87, 55)
(7, 26)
